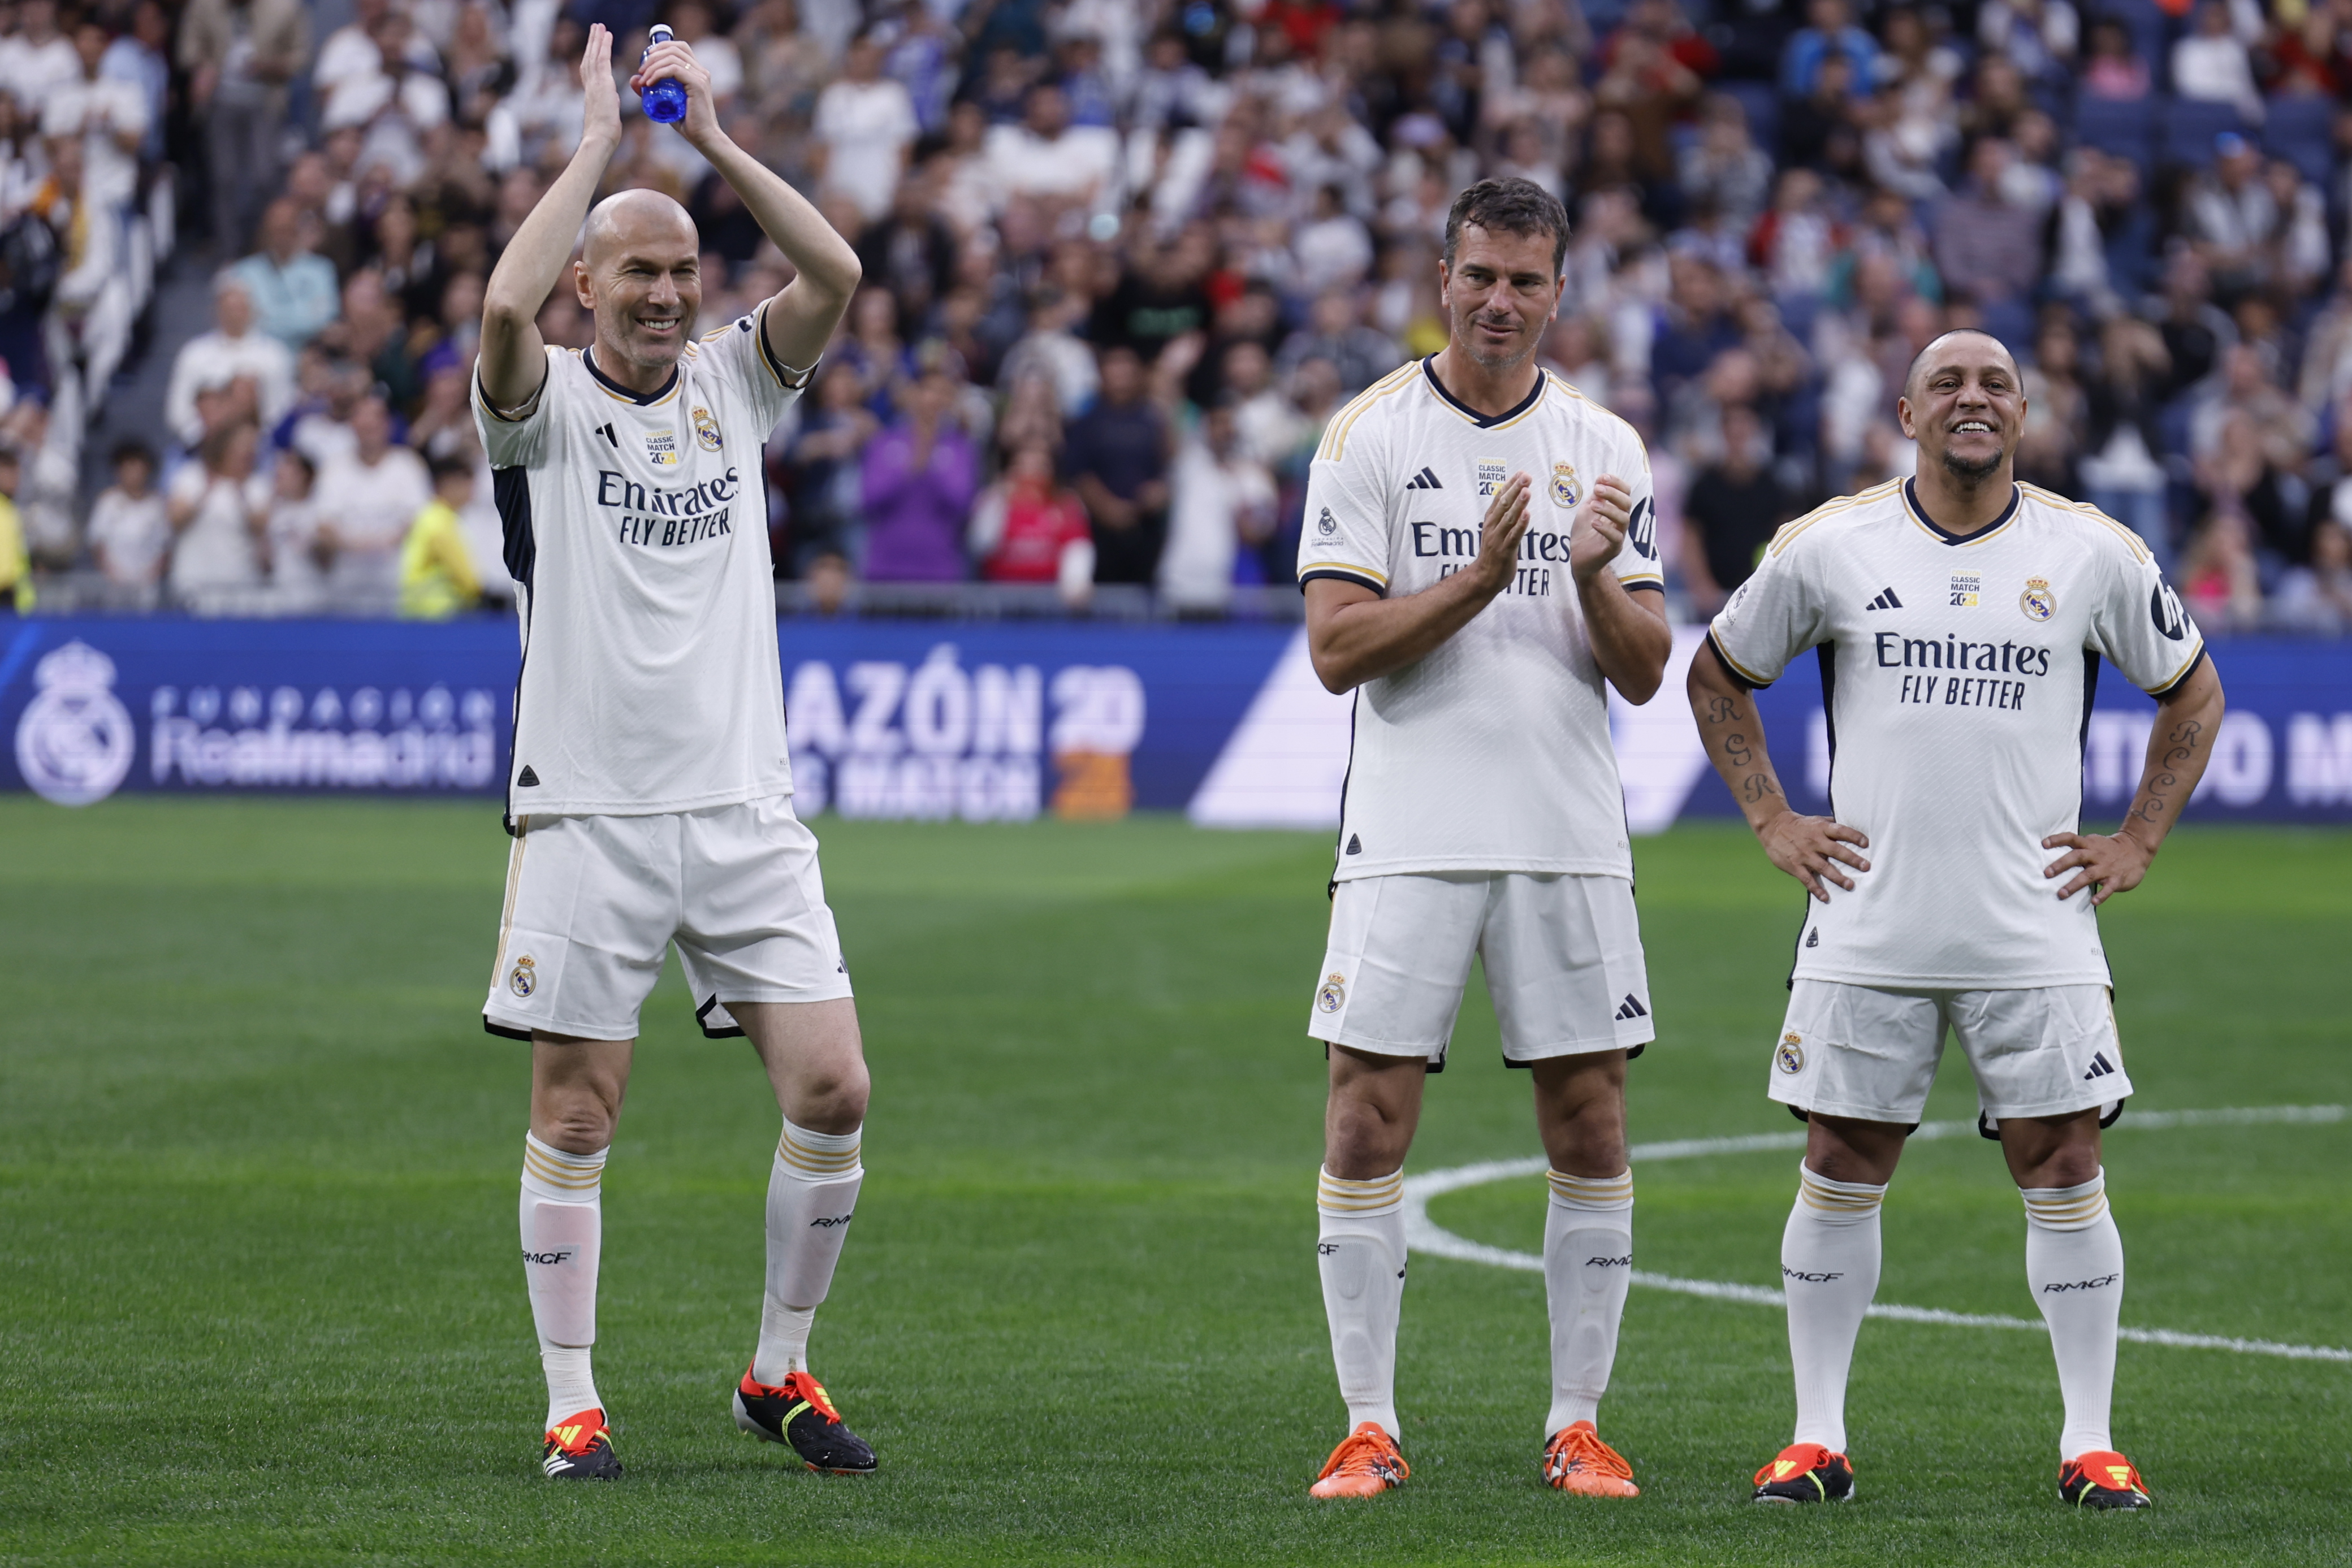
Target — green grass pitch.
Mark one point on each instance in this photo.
(259, 1302)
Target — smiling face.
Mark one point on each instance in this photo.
(1499, 292)
(1964, 404)
(641, 273)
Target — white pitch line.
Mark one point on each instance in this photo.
(1425, 1235)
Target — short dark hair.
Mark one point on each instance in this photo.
(1512, 206)
(132, 450)
(452, 466)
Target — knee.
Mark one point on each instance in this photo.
(2069, 1166)
(578, 1124)
(834, 1101)
(1363, 1140)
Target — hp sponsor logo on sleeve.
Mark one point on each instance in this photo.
(1641, 531)
(2164, 609)
(75, 741)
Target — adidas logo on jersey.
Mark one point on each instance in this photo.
(1886, 601)
(1631, 1008)
(1813, 937)
(1425, 480)
(2100, 1066)
(527, 779)
(1355, 845)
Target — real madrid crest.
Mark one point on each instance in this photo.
(1333, 995)
(1790, 1057)
(525, 979)
(706, 430)
(2038, 602)
(1565, 490)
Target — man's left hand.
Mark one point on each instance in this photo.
(2107, 863)
(1599, 530)
(676, 60)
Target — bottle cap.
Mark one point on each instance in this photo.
(660, 34)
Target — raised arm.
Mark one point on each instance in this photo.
(1810, 849)
(1354, 635)
(514, 356)
(800, 318)
(2188, 718)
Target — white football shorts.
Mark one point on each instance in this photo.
(593, 903)
(1871, 1054)
(1563, 958)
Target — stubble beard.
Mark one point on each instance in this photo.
(1970, 472)
(1467, 339)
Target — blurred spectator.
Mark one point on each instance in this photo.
(16, 590)
(231, 351)
(437, 578)
(129, 524)
(1362, 354)
(2113, 72)
(821, 465)
(1828, 32)
(919, 481)
(1221, 506)
(2318, 597)
(2120, 472)
(1048, 158)
(293, 289)
(365, 499)
(1983, 236)
(865, 123)
(240, 55)
(219, 513)
(2218, 579)
(298, 559)
(1116, 459)
(1724, 170)
(108, 113)
(2055, 408)
(1730, 511)
(1027, 528)
(2211, 63)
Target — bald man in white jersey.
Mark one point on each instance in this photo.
(1961, 619)
(650, 789)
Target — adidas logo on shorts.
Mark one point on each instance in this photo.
(1631, 1008)
(2100, 1066)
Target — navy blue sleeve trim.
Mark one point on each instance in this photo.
(1340, 574)
(2182, 679)
(1742, 682)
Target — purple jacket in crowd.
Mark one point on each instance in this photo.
(915, 517)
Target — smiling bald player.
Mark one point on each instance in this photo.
(650, 791)
(1961, 619)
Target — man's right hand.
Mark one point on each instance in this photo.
(600, 107)
(1499, 536)
(1810, 849)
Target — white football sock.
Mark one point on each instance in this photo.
(563, 1239)
(812, 1195)
(2075, 1263)
(1588, 1264)
(1829, 1271)
(1359, 1251)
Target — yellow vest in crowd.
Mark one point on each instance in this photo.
(437, 574)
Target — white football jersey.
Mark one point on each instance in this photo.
(637, 529)
(1957, 673)
(1492, 753)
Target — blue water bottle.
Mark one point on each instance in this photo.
(665, 100)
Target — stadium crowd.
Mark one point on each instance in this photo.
(1123, 258)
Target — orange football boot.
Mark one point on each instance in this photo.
(1577, 1460)
(1366, 1465)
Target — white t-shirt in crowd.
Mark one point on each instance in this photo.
(865, 126)
(132, 535)
(1492, 754)
(98, 109)
(1023, 164)
(1957, 673)
(1206, 501)
(213, 360)
(369, 506)
(216, 550)
(638, 525)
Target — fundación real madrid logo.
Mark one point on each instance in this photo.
(1334, 994)
(525, 979)
(1565, 491)
(2038, 602)
(706, 430)
(75, 741)
(1789, 1056)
